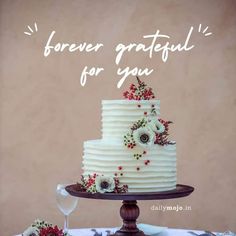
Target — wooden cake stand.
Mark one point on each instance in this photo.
(129, 210)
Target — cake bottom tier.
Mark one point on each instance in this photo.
(154, 171)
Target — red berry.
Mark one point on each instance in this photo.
(144, 152)
(145, 113)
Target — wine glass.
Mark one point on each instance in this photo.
(65, 202)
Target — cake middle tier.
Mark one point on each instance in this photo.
(153, 171)
(119, 115)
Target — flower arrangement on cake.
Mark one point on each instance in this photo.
(140, 92)
(149, 129)
(101, 184)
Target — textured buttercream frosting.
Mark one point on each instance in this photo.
(104, 157)
(118, 115)
(110, 157)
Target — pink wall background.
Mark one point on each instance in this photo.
(45, 115)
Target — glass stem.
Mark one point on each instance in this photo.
(66, 224)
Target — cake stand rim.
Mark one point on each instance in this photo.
(181, 190)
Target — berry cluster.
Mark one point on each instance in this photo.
(138, 124)
(162, 139)
(146, 162)
(120, 188)
(140, 92)
(89, 183)
(91, 180)
(51, 231)
(129, 140)
(137, 156)
(116, 174)
(120, 167)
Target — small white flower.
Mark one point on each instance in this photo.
(155, 125)
(104, 184)
(31, 231)
(143, 136)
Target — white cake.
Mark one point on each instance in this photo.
(154, 171)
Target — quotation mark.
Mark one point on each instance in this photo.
(31, 30)
(204, 31)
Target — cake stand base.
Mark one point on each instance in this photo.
(129, 210)
(129, 213)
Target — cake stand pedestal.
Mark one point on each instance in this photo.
(129, 210)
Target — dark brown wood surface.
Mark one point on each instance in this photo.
(180, 191)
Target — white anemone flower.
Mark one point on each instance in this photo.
(156, 126)
(31, 231)
(144, 136)
(104, 184)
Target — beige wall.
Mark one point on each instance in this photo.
(46, 115)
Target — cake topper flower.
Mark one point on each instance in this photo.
(140, 92)
(162, 138)
(104, 184)
(144, 137)
(147, 131)
(155, 125)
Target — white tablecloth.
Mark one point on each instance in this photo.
(166, 232)
(103, 232)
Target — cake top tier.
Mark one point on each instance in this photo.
(118, 115)
(135, 121)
